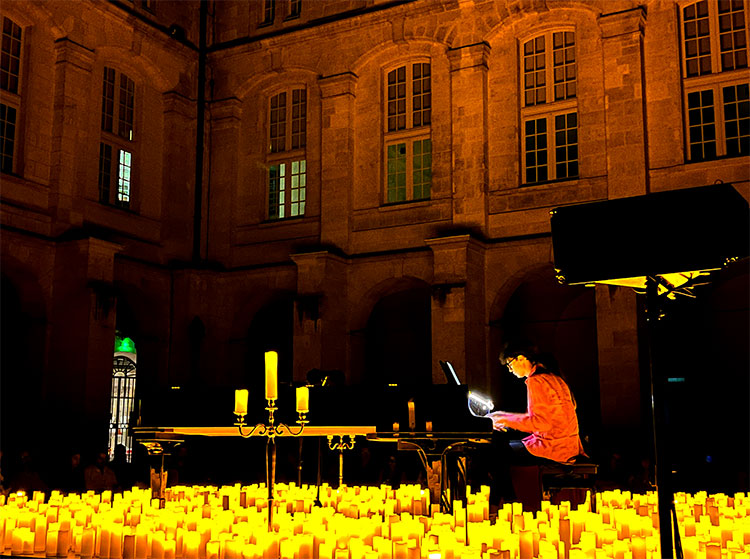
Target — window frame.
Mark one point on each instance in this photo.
(550, 108)
(287, 156)
(715, 80)
(407, 135)
(118, 143)
(14, 99)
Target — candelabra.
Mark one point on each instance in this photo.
(341, 445)
(271, 430)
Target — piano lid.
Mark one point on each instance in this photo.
(676, 234)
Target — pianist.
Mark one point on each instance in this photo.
(550, 419)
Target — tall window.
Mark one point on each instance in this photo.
(121, 402)
(10, 89)
(549, 110)
(408, 143)
(286, 158)
(714, 70)
(117, 139)
(269, 12)
(295, 8)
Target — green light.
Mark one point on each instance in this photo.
(125, 345)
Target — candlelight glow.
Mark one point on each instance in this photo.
(360, 522)
(272, 371)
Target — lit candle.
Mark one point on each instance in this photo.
(128, 546)
(412, 419)
(272, 365)
(240, 402)
(51, 550)
(303, 399)
(40, 534)
(87, 543)
(63, 543)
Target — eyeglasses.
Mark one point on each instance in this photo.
(510, 361)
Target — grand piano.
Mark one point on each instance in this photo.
(432, 421)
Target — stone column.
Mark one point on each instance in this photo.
(337, 158)
(458, 318)
(82, 335)
(469, 139)
(320, 334)
(225, 127)
(178, 176)
(72, 91)
(622, 44)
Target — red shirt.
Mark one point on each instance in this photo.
(550, 418)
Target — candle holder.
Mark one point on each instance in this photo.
(341, 445)
(271, 430)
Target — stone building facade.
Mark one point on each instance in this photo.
(364, 185)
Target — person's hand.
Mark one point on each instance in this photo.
(498, 421)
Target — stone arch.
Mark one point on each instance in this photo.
(391, 342)
(269, 79)
(41, 15)
(127, 61)
(561, 320)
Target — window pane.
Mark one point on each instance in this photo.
(421, 94)
(269, 10)
(10, 62)
(732, 35)
(276, 191)
(105, 171)
(564, 64)
(125, 115)
(108, 99)
(7, 137)
(277, 123)
(396, 173)
(566, 147)
(123, 179)
(535, 153)
(701, 126)
(397, 99)
(422, 169)
(534, 70)
(299, 118)
(697, 50)
(298, 191)
(737, 119)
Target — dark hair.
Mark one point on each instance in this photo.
(514, 348)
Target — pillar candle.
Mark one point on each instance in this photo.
(190, 543)
(87, 543)
(240, 402)
(272, 365)
(303, 399)
(141, 543)
(40, 534)
(157, 545)
(51, 548)
(412, 417)
(63, 543)
(638, 547)
(128, 546)
(115, 541)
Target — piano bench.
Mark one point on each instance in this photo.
(555, 478)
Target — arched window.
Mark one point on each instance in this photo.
(286, 157)
(549, 110)
(407, 115)
(10, 94)
(122, 397)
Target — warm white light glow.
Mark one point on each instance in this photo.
(240, 402)
(303, 399)
(272, 367)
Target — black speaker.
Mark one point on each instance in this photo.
(690, 229)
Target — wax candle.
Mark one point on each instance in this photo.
(128, 546)
(40, 534)
(87, 543)
(303, 399)
(63, 543)
(240, 402)
(115, 541)
(412, 417)
(51, 547)
(272, 364)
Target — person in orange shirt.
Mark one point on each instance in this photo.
(550, 419)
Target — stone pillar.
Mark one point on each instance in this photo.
(622, 44)
(82, 336)
(458, 318)
(619, 372)
(72, 91)
(225, 127)
(320, 332)
(337, 158)
(469, 139)
(178, 176)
